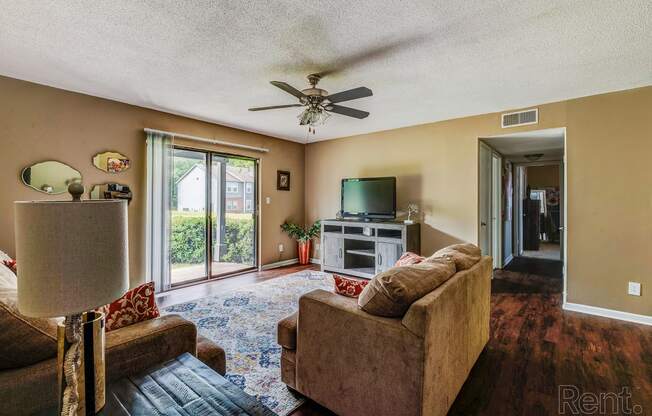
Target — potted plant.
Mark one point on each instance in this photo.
(303, 237)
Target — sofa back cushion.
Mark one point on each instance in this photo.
(391, 292)
(464, 255)
(23, 340)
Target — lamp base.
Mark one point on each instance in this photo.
(80, 361)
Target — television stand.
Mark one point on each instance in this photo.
(363, 249)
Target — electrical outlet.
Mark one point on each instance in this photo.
(634, 289)
(268, 200)
(281, 248)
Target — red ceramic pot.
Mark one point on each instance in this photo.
(304, 251)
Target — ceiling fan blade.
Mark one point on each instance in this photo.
(347, 111)
(348, 95)
(274, 107)
(288, 88)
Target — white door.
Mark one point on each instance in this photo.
(496, 210)
(484, 195)
(520, 187)
(562, 213)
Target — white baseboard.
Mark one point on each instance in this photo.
(315, 261)
(608, 313)
(278, 264)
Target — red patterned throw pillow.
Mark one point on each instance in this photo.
(409, 258)
(11, 264)
(346, 286)
(136, 305)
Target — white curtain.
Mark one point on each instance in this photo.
(159, 177)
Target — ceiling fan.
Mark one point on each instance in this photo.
(319, 103)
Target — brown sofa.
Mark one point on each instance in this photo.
(355, 363)
(31, 389)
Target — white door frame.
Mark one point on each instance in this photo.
(518, 207)
(495, 222)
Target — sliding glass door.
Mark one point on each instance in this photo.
(213, 198)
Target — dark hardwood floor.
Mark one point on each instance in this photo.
(534, 347)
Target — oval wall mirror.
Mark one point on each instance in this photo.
(111, 162)
(50, 177)
(110, 190)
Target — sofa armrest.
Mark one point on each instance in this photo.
(342, 348)
(453, 320)
(137, 347)
(286, 331)
(211, 354)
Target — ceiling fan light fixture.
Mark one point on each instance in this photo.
(319, 102)
(313, 116)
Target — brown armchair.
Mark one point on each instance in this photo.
(32, 389)
(355, 363)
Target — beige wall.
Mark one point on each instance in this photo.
(609, 142)
(543, 176)
(609, 139)
(39, 123)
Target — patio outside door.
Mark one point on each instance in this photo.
(213, 217)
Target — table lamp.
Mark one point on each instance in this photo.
(73, 257)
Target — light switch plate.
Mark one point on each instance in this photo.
(268, 200)
(634, 289)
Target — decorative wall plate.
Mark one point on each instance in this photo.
(111, 162)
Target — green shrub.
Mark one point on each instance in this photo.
(239, 241)
(188, 240)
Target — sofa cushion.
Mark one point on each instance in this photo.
(391, 293)
(7, 278)
(350, 287)
(287, 331)
(4, 256)
(23, 340)
(465, 256)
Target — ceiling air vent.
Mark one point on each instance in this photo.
(520, 118)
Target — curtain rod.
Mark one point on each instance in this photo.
(205, 140)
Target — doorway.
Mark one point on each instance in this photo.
(213, 219)
(539, 214)
(521, 206)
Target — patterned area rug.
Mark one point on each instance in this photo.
(243, 322)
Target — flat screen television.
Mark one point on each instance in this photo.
(369, 198)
